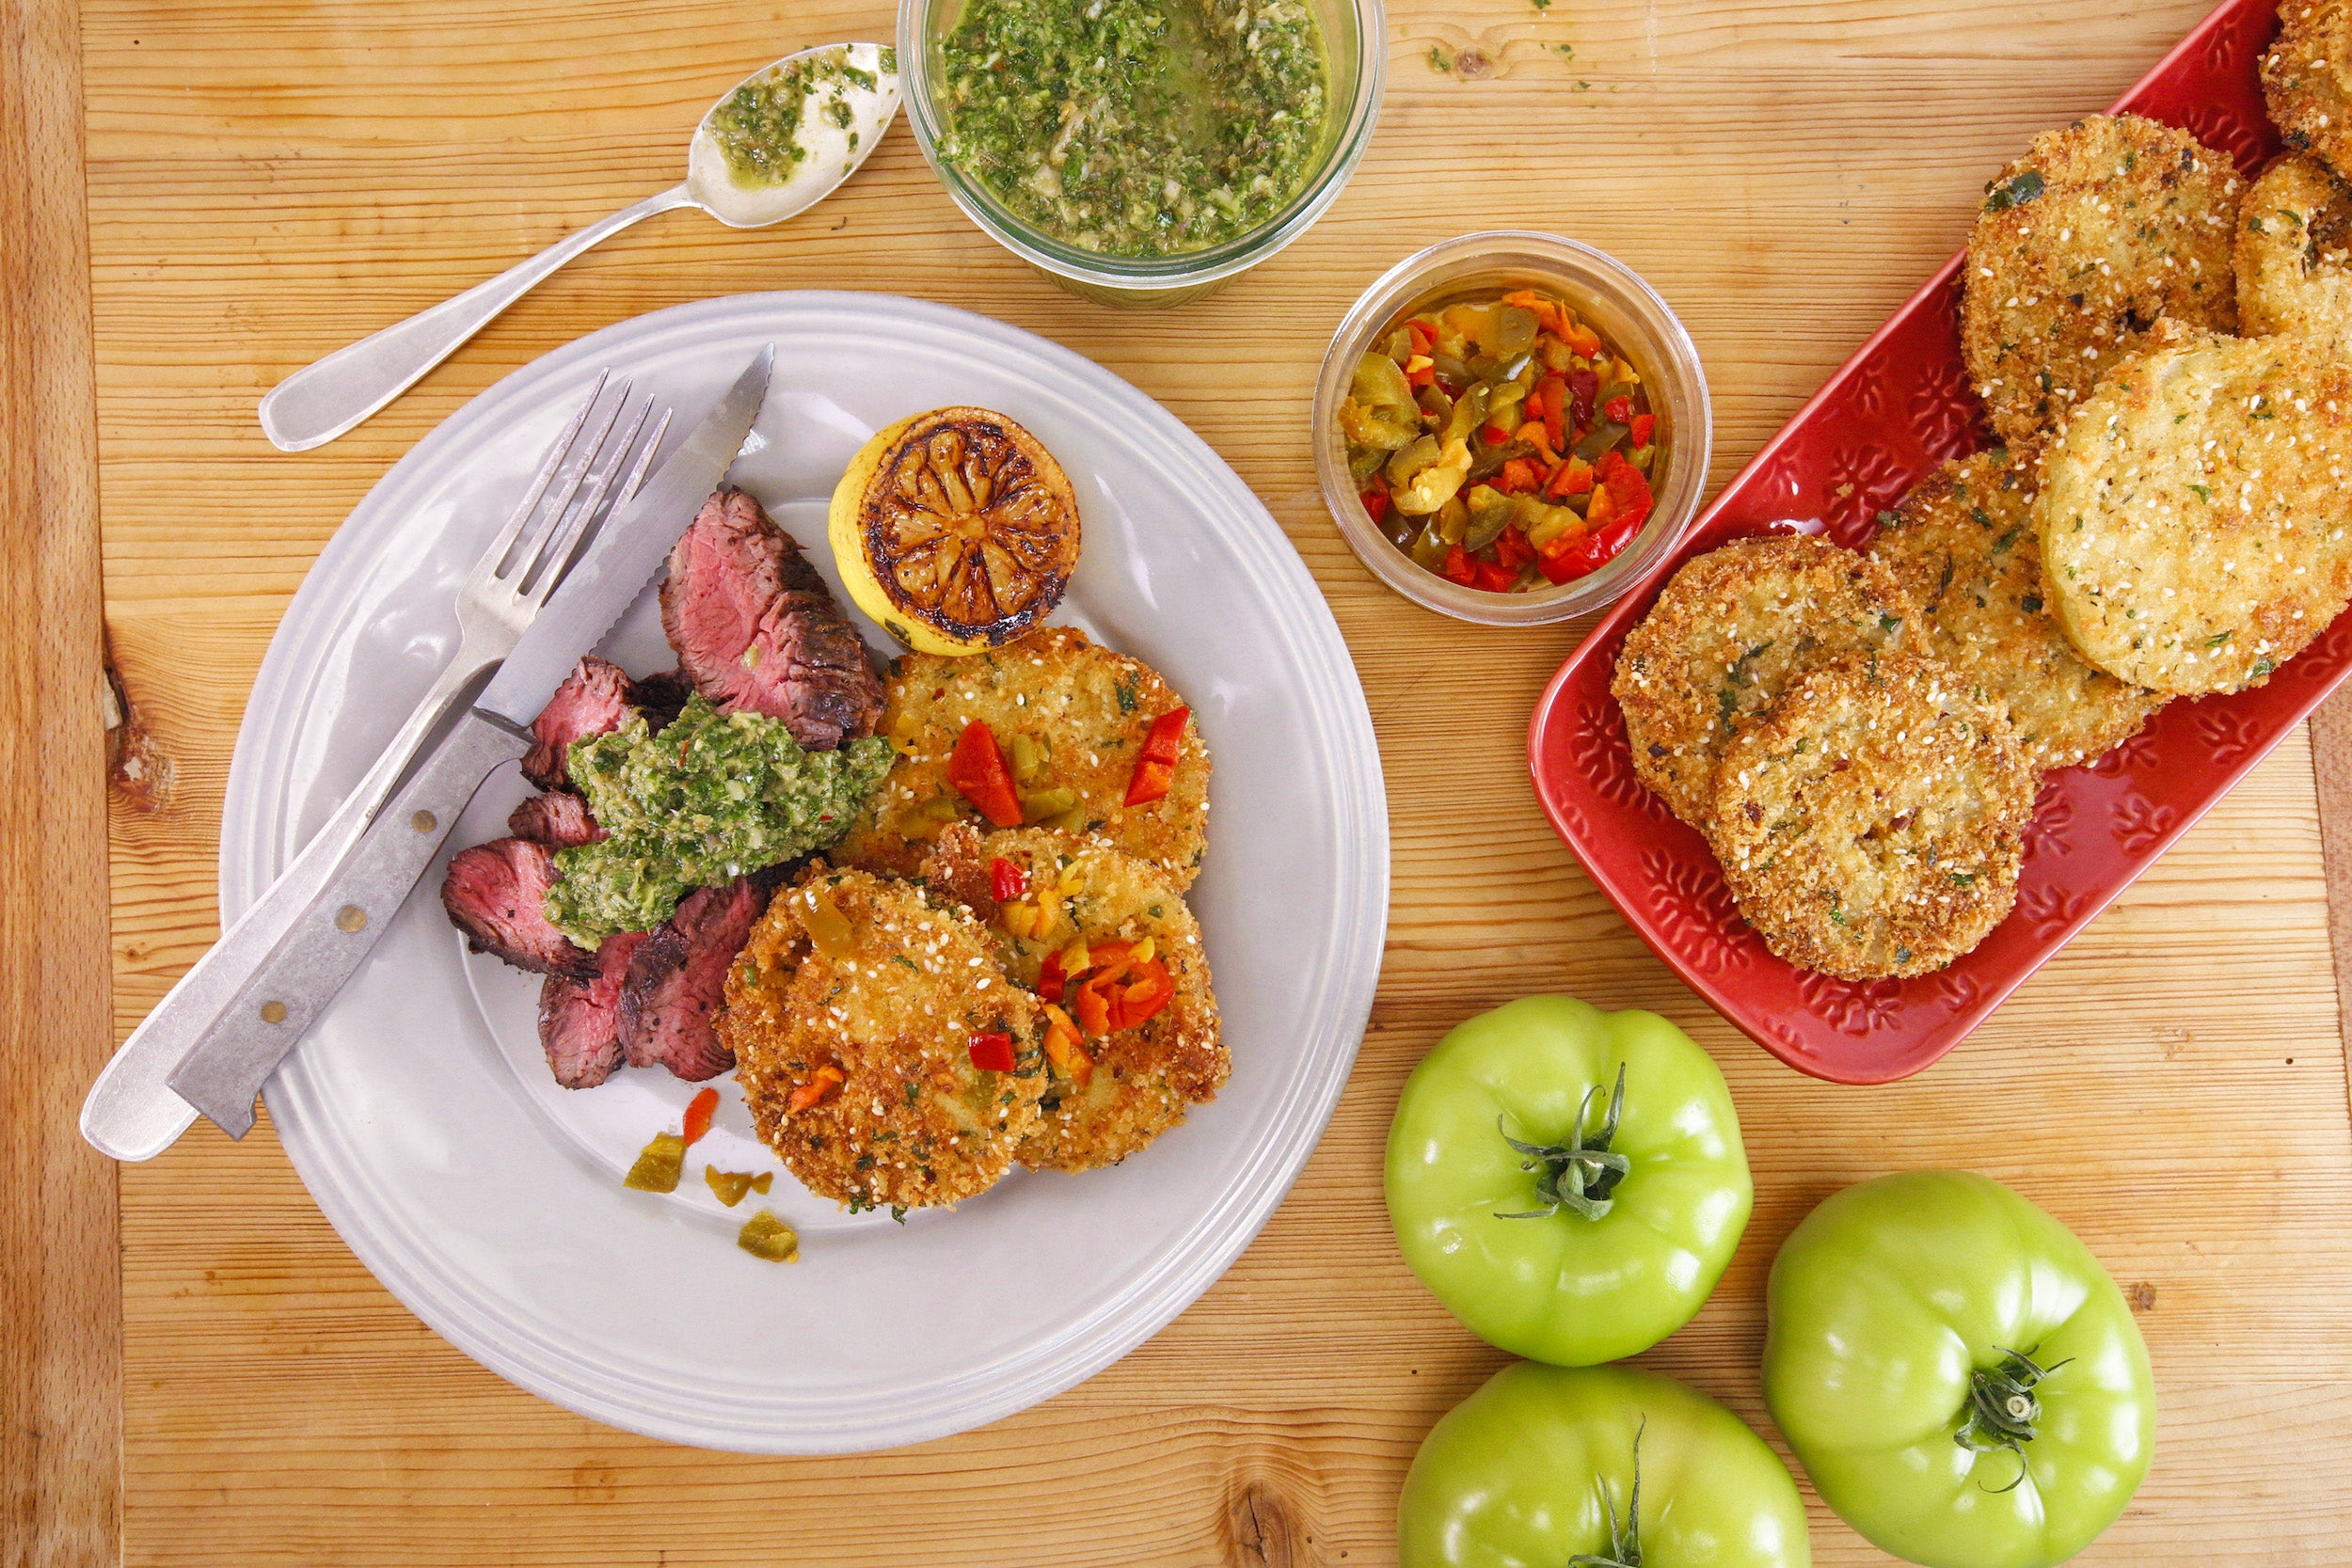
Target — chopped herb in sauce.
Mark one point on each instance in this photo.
(1139, 128)
(758, 128)
(711, 797)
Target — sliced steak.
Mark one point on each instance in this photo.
(496, 893)
(557, 819)
(661, 698)
(592, 700)
(757, 631)
(580, 1021)
(678, 980)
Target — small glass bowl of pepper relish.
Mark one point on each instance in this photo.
(1511, 428)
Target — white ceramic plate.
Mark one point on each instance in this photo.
(421, 1115)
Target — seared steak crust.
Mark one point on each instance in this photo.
(496, 893)
(678, 980)
(757, 631)
(580, 1021)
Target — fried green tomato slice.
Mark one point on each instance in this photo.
(2196, 527)
(1134, 1083)
(2295, 256)
(2082, 245)
(1963, 546)
(1731, 631)
(852, 1013)
(2307, 81)
(1071, 716)
(1871, 825)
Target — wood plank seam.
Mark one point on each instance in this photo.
(60, 1305)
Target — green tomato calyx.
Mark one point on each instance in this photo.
(2002, 1409)
(1580, 1172)
(1625, 1547)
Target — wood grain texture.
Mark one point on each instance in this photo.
(269, 179)
(61, 1344)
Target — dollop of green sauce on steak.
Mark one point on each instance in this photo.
(711, 797)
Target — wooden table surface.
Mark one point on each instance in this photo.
(270, 178)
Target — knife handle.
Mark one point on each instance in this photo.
(129, 1113)
(279, 998)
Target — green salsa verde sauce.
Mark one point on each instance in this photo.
(758, 128)
(1142, 128)
(711, 797)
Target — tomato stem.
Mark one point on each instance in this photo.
(1579, 1173)
(1625, 1547)
(2002, 1409)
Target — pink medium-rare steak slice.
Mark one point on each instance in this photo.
(592, 700)
(678, 980)
(496, 893)
(757, 631)
(580, 1021)
(559, 819)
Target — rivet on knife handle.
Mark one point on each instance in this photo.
(226, 1066)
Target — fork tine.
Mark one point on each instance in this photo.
(531, 547)
(646, 457)
(557, 451)
(562, 546)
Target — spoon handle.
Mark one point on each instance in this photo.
(328, 396)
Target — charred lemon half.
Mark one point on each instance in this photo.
(955, 529)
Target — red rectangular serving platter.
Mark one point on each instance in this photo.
(1891, 415)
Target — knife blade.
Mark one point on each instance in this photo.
(226, 1063)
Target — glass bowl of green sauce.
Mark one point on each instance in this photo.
(1638, 333)
(1141, 152)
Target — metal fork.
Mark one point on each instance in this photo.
(132, 1113)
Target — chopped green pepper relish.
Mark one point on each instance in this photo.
(1141, 128)
(712, 797)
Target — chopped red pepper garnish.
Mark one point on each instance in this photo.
(699, 1111)
(1156, 769)
(1619, 409)
(822, 1086)
(1458, 565)
(1424, 334)
(1050, 979)
(1063, 1048)
(1572, 478)
(1376, 503)
(1005, 881)
(1424, 376)
(978, 770)
(1518, 476)
(991, 1051)
(1512, 549)
(1165, 741)
(1493, 578)
(1552, 390)
(1583, 386)
(1587, 553)
(1643, 426)
(1620, 493)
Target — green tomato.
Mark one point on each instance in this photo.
(1959, 1376)
(1537, 1469)
(1546, 1231)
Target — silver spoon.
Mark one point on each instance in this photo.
(841, 121)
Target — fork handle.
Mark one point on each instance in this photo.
(328, 396)
(131, 1112)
